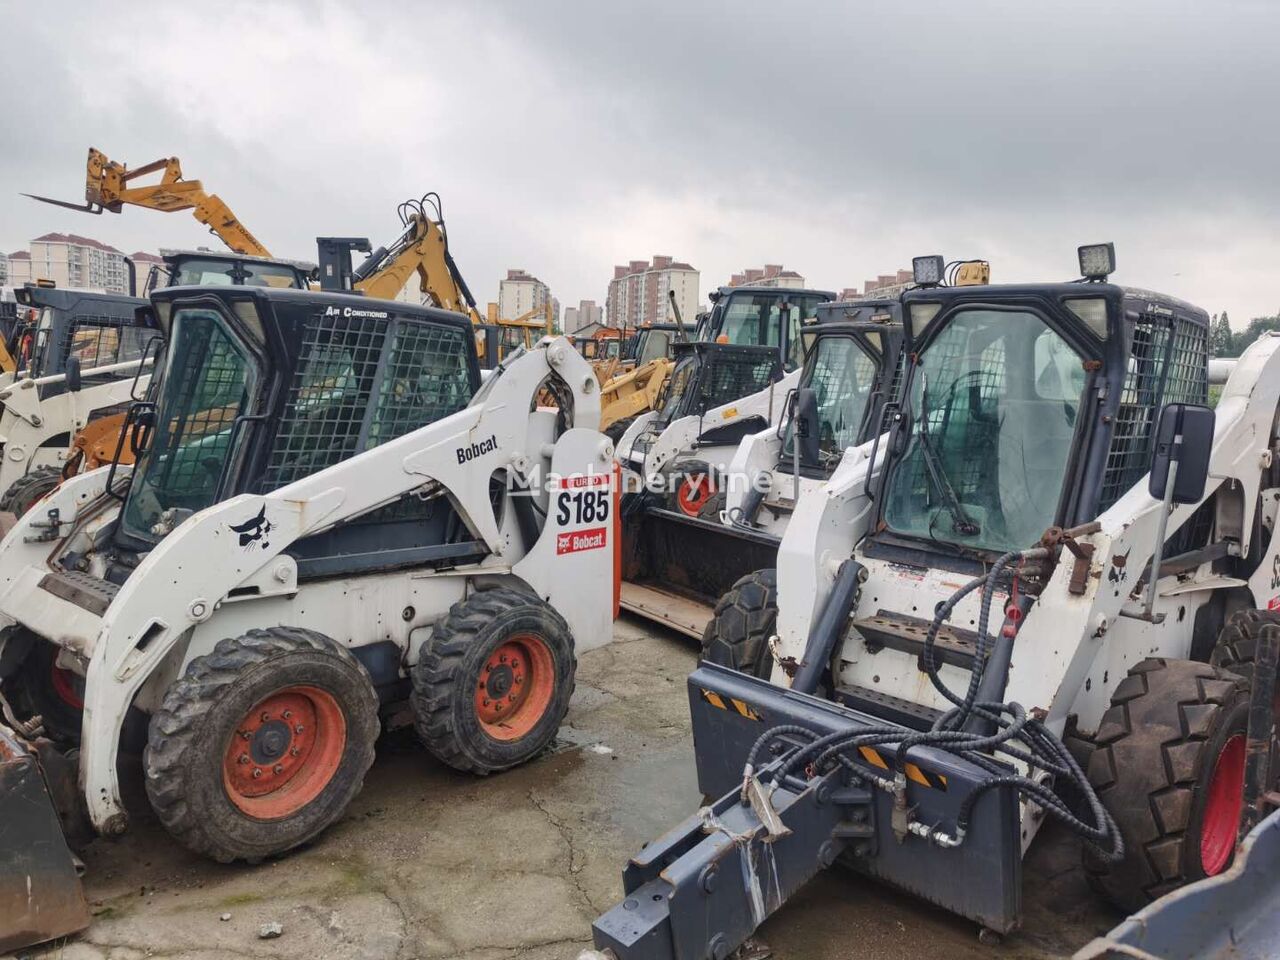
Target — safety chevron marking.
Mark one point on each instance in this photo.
(916, 775)
(729, 703)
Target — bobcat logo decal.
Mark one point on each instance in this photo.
(1117, 573)
(253, 530)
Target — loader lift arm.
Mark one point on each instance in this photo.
(110, 185)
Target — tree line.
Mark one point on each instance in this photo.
(1225, 342)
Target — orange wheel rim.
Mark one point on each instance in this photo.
(694, 493)
(283, 752)
(515, 687)
(1221, 823)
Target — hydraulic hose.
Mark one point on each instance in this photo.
(977, 729)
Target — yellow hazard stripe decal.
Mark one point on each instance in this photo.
(915, 774)
(925, 778)
(729, 703)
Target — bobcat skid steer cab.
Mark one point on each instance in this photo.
(747, 344)
(82, 359)
(324, 520)
(196, 268)
(86, 357)
(1063, 610)
(741, 316)
(677, 565)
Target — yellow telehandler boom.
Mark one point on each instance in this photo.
(110, 185)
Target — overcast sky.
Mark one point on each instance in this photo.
(566, 137)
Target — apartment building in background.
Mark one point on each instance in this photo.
(885, 285)
(638, 292)
(587, 315)
(17, 268)
(70, 260)
(522, 292)
(770, 275)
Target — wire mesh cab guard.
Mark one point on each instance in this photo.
(98, 329)
(709, 375)
(265, 387)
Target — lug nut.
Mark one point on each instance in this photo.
(519, 679)
(244, 758)
(265, 716)
(503, 658)
(299, 728)
(512, 698)
(278, 768)
(486, 701)
(287, 714)
(293, 751)
(257, 772)
(245, 735)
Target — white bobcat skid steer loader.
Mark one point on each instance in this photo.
(1064, 609)
(677, 566)
(722, 387)
(85, 357)
(323, 520)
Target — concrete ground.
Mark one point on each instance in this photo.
(430, 863)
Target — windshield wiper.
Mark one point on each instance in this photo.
(961, 522)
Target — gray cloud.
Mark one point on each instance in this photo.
(565, 137)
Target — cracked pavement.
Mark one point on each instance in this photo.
(430, 863)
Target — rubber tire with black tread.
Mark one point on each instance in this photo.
(30, 689)
(1237, 644)
(188, 736)
(615, 430)
(29, 489)
(449, 665)
(745, 618)
(712, 508)
(1169, 719)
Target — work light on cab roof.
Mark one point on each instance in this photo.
(1097, 261)
(927, 271)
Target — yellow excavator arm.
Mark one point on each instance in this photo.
(422, 249)
(110, 186)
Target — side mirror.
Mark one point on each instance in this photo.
(806, 426)
(1180, 460)
(73, 374)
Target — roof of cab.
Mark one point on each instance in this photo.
(1134, 299)
(346, 305)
